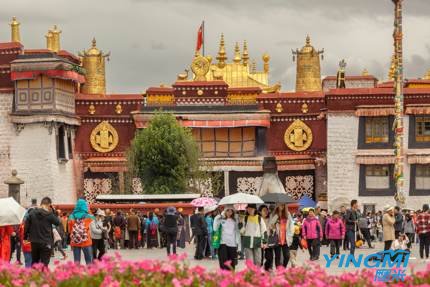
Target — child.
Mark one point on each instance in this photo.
(401, 243)
(295, 244)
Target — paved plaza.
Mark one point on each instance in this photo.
(303, 258)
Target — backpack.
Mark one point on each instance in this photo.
(117, 232)
(153, 228)
(79, 232)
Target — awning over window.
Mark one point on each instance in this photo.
(375, 157)
(374, 111)
(419, 159)
(418, 110)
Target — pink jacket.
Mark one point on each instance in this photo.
(335, 229)
(311, 228)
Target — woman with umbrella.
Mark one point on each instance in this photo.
(230, 238)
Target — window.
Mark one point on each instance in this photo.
(422, 129)
(375, 132)
(376, 180)
(69, 144)
(225, 142)
(61, 148)
(420, 179)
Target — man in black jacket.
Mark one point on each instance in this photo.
(351, 219)
(38, 230)
(201, 233)
(398, 224)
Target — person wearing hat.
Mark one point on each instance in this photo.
(388, 221)
(98, 232)
(254, 235)
(230, 241)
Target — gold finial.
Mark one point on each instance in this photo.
(93, 61)
(245, 55)
(15, 35)
(222, 58)
(266, 59)
(49, 40)
(55, 42)
(237, 57)
(254, 67)
(308, 73)
(365, 72)
(427, 75)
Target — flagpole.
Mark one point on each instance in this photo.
(203, 36)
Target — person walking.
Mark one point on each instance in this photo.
(26, 246)
(230, 238)
(170, 228)
(284, 227)
(15, 241)
(409, 229)
(98, 235)
(335, 231)
(38, 230)
(364, 226)
(80, 234)
(295, 244)
(201, 233)
(312, 233)
(267, 254)
(151, 227)
(423, 231)
(351, 219)
(133, 223)
(181, 237)
(398, 224)
(108, 223)
(209, 250)
(58, 240)
(388, 231)
(254, 235)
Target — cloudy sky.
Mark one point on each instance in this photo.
(152, 40)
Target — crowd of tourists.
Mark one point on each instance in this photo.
(268, 235)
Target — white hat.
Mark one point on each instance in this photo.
(100, 212)
(388, 208)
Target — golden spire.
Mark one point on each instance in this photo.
(245, 55)
(365, 72)
(222, 58)
(93, 61)
(48, 37)
(266, 59)
(55, 42)
(15, 35)
(427, 75)
(308, 75)
(237, 57)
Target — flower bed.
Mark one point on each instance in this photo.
(114, 272)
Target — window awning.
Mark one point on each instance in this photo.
(375, 157)
(418, 110)
(374, 111)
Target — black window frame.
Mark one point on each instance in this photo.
(69, 144)
(61, 143)
(412, 135)
(363, 191)
(362, 135)
(412, 186)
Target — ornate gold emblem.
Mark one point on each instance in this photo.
(91, 109)
(305, 108)
(279, 108)
(298, 136)
(199, 92)
(200, 67)
(104, 137)
(118, 109)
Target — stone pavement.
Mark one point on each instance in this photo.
(303, 257)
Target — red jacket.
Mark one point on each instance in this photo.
(5, 233)
(311, 228)
(335, 229)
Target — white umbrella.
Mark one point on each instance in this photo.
(241, 198)
(11, 213)
(208, 209)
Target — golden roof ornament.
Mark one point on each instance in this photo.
(298, 136)
(14, 30)
(237, 57)
(308, 75)
(48, 37)
(245, 55)
(55, 42)
(222, 58)
(254, 67)
(340, 78)
(266, 59)
(93, 61)
(200, 67)
(365, 72)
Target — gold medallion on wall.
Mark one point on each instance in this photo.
(104, 137)
(298, 136)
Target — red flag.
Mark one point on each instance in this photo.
(199, 38)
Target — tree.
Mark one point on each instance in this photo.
(164, 156)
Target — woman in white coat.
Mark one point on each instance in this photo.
(230, 238)
(282, 221)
